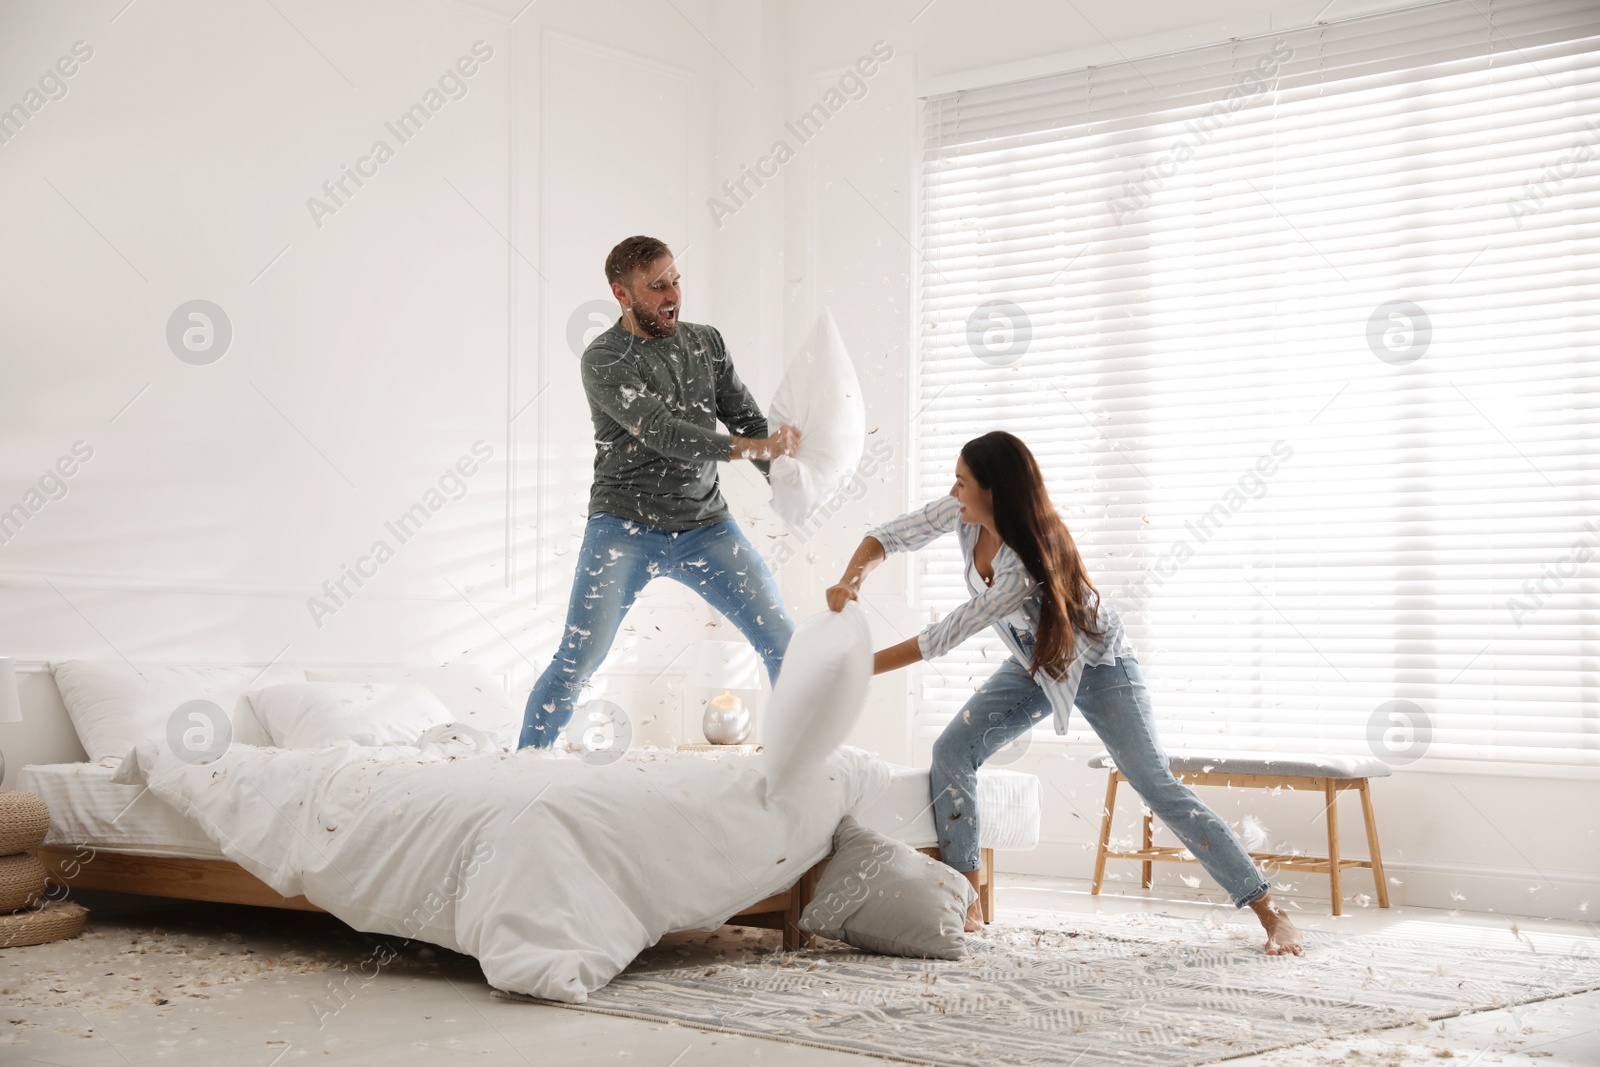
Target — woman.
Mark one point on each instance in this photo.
(1029, 582)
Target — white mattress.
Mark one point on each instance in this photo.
(1008, 809)
(87, 807)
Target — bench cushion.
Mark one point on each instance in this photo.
(1292, 765)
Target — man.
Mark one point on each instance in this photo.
(657, 387)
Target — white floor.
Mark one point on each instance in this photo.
(204, 985)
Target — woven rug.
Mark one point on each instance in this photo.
(1127, 990)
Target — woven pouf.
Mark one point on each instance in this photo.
(22, 881)
(24, 820)
(51, 922)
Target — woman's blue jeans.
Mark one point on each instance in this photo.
(618, 558)
(1116, 705)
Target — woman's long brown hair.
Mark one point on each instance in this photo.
(1027, 522)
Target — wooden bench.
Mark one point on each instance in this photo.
(1330, 775)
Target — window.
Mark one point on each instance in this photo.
(1305, 331)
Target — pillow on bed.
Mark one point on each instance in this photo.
(114, 706)
(882, 895)
(317, 714)
(473, 695)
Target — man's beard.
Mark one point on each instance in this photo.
(651, 323)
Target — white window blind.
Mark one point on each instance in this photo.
(1305, 331)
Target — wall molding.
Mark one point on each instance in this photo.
(549, 39)
(509, 577)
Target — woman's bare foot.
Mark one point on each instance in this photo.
(1283, 937)
(975, 910)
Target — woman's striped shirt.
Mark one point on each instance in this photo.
(1013, 591)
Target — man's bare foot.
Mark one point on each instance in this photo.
(1283, 937)
(975, 909)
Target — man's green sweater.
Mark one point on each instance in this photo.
(655, 403)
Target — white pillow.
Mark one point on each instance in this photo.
(821, 396)
(882, 895)
(473, 695)
(818, 696)
(317, 714)
(114, 706)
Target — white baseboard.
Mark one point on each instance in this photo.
(1512, 891)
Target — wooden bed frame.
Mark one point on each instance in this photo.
(225, 882)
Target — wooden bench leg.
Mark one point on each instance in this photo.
(1149, 839)
(1333, 846)
(1372, 846)
(1105, 835)
(986, 893)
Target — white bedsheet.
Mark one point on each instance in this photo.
(1008, 809)
(87, 807)
(553, 873)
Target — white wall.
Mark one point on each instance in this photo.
(433, 311)
(372, 348)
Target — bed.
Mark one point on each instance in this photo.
(121, 838)
(240, 830)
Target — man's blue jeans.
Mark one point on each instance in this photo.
(618, 558)
(1116, 705)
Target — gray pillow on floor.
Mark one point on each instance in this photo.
(882, 895)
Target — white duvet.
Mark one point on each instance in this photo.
(553, 873)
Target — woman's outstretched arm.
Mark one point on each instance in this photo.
(868, 555)
(896, 656)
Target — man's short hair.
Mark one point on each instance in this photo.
(633, 254)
